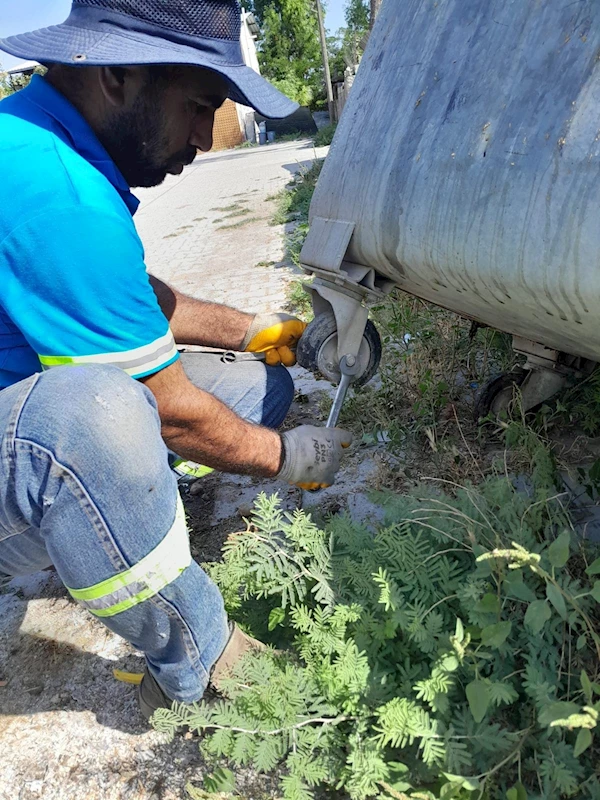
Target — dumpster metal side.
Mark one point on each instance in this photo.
(466, 167)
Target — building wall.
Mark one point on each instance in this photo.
(227, 131)
(248, 44)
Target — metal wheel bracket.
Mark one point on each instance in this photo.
(350, 316)
(340, 285)
(540, 384)
(548, 371)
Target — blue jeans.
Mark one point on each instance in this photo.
(85, 485)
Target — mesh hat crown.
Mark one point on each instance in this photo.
(214, 19)
(202, 33)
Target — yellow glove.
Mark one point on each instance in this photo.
(275, 335)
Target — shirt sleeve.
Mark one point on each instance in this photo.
(77, 288)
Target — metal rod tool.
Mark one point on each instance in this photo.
(348, 368)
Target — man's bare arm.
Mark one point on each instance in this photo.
(197, 426)
(196, 322)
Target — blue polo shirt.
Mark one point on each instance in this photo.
(73, 283)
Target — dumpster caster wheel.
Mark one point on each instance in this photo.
(499, 393)
(317, 350)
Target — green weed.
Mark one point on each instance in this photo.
(240, 212)
(178, 232)
(299, 301)
(293, 204)
(292, 136)
(324, 137)
(240, 224)
(434, 364)
(232, 207)
(581, 404)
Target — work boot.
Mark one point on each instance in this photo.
(238, 645)
(151, 697)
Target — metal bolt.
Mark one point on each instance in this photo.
(350, 361)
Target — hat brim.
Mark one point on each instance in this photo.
(67, 44)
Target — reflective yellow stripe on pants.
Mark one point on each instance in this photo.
(145, 579)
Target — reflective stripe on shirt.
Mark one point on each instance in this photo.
(134, 362)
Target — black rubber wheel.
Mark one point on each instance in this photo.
(497, 395)
(317, 350)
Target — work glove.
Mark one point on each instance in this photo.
(311, 456)
(275, 335)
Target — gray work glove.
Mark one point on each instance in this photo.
(312, 455)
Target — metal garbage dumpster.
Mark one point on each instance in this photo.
(466, 171)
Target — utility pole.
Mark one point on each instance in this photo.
(329, 87)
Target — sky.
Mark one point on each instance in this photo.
(17, 16)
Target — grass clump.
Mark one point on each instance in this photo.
(324, 137)
(293, 205)
(292, 136)
(239, 212)
(581, 404)
(299, 301)
(232, 207)
(433, 367)
(245, 145)
(239, 224)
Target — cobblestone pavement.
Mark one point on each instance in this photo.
(208, 231)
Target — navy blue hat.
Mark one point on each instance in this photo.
(202, 33)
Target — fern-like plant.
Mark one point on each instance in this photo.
(452, 653)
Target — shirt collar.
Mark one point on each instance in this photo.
(79, 134)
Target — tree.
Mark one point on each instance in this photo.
(357, 15)
(9, 84)
(289, 50)
(4, 85)
(347, 46)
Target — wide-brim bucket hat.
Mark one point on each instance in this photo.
(201, 33)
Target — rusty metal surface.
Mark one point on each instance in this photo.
(468, 156)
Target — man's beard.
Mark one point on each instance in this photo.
(137, 143)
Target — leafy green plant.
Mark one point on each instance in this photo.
(590, 479)
(325, 135)
(221, 780)
(452, 653)
(582, 404)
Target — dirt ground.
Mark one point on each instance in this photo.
(68, 729)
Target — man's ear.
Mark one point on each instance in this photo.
(120, 84)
